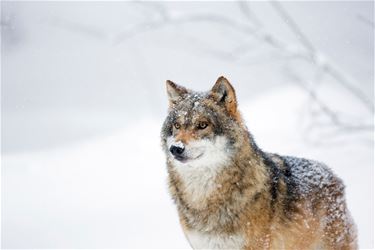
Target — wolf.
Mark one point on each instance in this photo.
(230, 194)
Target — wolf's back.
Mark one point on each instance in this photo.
(308, 176)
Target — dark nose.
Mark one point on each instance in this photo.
(176, 151)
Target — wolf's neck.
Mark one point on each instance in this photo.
(198, 183)
(214, 199)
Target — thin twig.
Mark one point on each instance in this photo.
(293, 26)
(366, 21)
(328, 67)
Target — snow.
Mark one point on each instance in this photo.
(111, 191)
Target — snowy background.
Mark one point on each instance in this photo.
(83, 98)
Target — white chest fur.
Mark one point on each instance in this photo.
(200, 240)
(198, 184)
(198, 175)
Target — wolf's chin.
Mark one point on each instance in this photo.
(187, 159)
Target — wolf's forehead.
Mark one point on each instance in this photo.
(191, 107)
(194, 101)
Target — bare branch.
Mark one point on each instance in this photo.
(328, 67)
(156, 6)
(86, 30)
(255, 31)
(333, 116)
(248, 13)
(293, 26)
(366, 21)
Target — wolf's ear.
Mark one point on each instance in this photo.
(175, 92)
(223, 93)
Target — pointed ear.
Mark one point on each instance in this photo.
(223, 93)
(175, 92)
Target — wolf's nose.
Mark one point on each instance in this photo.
(176, 151)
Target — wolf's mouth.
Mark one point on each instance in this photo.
(181, 158)
(184, 159)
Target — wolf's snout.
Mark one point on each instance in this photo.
(176, 150)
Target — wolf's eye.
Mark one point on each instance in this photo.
(202, 125)
(176, 125)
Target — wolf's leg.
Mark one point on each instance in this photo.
(339, 230)
(340, 234)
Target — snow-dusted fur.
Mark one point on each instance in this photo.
(232, 195)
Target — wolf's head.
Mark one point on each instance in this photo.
(202, 129)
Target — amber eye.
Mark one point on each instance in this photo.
(177, 125)
(202, 125)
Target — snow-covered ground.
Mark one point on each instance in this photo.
(83, 99)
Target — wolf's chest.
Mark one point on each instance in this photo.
(199, 240)
(198, 183)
